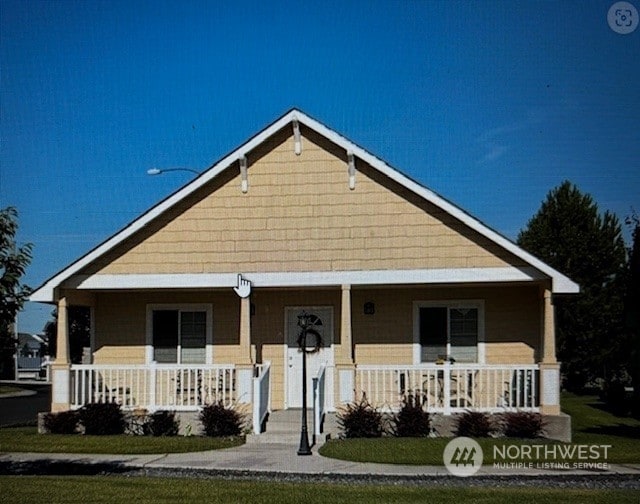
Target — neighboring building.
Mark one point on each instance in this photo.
(199, 298)
(30, 356)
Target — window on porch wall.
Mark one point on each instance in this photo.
(179, 337)
(447, 331)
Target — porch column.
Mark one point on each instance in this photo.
(548, 329)
(344, 357)
(549, 367)
(61, 368)
(245, 330)
(244, 365)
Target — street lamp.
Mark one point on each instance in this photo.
(159, 171)
(303, 322)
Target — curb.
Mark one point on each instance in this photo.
(23, 393)
(103, 468)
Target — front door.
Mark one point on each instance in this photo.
(322, 318)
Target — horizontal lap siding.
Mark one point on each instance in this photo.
(512, 322)
(299, 215)
(514, 329)
(120, 324)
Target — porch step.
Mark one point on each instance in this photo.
(283, 426)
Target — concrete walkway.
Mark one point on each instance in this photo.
(282, 459)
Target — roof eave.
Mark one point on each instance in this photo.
(47, 292)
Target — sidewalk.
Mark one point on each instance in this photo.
(282, 459)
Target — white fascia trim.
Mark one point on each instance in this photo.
(560, 283)
(306, 279)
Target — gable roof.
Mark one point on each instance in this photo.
(560, 283)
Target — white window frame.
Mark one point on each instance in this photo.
(448, 303)
(183, 307)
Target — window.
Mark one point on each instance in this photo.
(180, 335)
(449, 330)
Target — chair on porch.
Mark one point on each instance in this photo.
(462, 388)
(518, 390)
(104, 391)
(189, 388)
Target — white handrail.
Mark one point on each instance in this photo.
(319, 399)
(452, 388)
(261, 396)
(154, 386)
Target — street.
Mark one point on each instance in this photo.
(24, 410)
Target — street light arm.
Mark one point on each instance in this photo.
(158, 171)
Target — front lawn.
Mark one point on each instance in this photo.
(27, 439)
(116, 489)
(591, 426)
(9, 389)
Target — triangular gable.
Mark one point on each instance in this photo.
(561, 284)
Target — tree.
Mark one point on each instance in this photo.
(79, 322)
(13, 263)
(632, 313)
(571, 235)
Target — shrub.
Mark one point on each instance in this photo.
(360, 420)
(474, 424)
(64, 422)
(163, 423)
(522, 424)
(219, 421)
(411, 420)
(102, 419)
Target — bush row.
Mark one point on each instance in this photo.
(515, 424)
(108, 419)
(361, 420)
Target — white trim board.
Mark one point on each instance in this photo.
(46, 292)
(306, 279)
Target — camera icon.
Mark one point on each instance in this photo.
(623, 18)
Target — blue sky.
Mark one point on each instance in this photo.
(491, 104)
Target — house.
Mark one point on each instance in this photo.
(200, 298)
(30, 356)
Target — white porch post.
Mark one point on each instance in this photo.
(549, 367)
(344, 357)
(244, 366)
(61, 368)
(446, 376)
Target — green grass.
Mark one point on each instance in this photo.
(8, 389)
(27, 439)
(114, 489)
(591, 426)
(408, 451)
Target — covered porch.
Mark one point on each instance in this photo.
(373, 346)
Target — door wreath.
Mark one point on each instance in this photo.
(318, 341)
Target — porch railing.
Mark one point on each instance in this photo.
(261, 396)
(319, 399)
(452, 388)
(177, 387)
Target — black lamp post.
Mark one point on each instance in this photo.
(303, 322)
